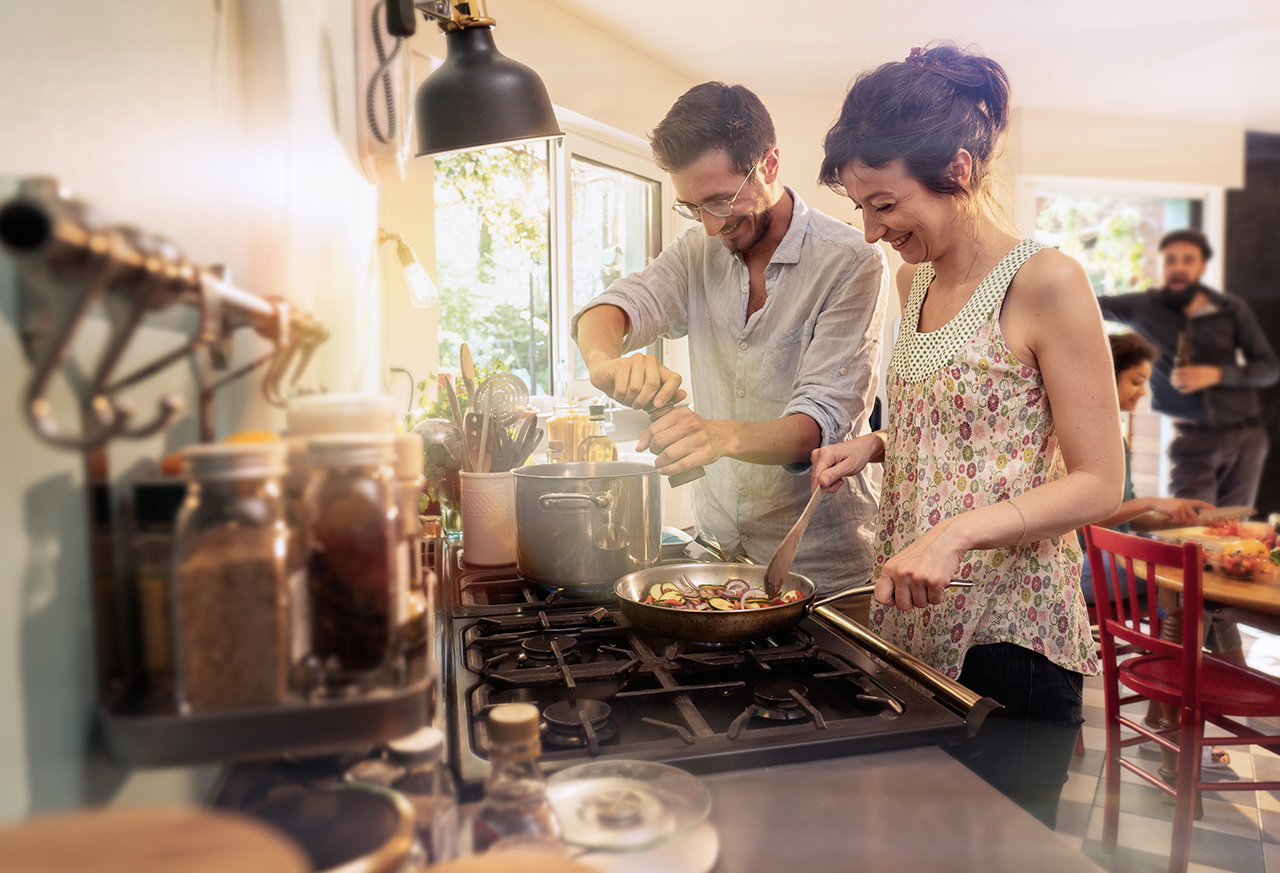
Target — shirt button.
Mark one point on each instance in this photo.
(742, 345)
(742, 394)
(746, 537)
(746, 288)
(743, 492)
(842, 371)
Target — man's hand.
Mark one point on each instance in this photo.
(638, 380)
(1189, 380)
(682, 440)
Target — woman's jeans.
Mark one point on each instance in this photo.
(1029, 752)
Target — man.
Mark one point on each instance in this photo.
(1219, 442)
(784, 309)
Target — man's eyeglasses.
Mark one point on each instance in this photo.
(718, 208)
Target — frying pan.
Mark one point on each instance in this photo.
(715, 626)
(723, 626)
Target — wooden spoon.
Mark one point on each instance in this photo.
(780, 564)
(468, 375)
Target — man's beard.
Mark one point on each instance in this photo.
(1179, 299)
(763, 221)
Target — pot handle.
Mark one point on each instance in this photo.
(868, 587)
(569, 502)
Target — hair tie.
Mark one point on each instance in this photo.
(917, 58)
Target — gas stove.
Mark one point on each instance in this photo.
(608, 690)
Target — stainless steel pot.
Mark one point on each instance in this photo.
(583, 525)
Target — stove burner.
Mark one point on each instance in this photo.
(537, 650)
(577, 723)
(775, 702)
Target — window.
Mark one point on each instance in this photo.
(614, 229)
(1113, 228)
(525, 235)
(493, 259)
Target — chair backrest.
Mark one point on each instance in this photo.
(1120, 616)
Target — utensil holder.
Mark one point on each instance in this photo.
(488, 518)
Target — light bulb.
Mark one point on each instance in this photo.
(422, 291)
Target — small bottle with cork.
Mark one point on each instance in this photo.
(596, 447)
(515, 813)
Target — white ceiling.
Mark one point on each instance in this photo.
(1215, 61)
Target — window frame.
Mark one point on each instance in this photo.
(600, 144)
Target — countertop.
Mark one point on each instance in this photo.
(909, 810)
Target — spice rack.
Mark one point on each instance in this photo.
(140, 728)
(69, 264)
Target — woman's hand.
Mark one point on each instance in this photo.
(832, 463)
(1179, 510)
(919, 574)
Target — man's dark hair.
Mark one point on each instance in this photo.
(1195, 237)
(709, 116)
(1129, 350)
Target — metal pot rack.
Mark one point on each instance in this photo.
(70, 263)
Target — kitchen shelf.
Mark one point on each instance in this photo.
(140, 728)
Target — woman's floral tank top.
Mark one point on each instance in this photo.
(970, 425)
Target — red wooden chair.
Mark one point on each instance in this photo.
(1202, 686)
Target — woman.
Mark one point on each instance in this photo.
(1003, 431)
(1131, 358)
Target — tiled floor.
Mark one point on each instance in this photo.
(1240, 831)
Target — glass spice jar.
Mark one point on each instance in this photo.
(353, 575)
(229, 602)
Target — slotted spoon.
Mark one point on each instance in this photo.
(505, 396)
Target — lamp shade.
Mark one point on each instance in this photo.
(479, 97)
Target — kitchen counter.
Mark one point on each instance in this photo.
(907, 810)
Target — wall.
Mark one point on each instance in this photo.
(213, 123)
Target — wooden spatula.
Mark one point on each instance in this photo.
(780, 563)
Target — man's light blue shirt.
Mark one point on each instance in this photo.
(812, 349)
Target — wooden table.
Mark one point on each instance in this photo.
(1260, 594)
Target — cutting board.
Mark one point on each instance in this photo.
(147, 840)
(1199, 534)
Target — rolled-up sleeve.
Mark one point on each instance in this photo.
(839, 370)
(655, 299)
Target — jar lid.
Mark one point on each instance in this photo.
(234, 460)
(351, 449)
(410, 455)
(512, 724)
(341, 413)
(426, 744)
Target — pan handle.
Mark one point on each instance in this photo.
(868, 587)
(569, 502)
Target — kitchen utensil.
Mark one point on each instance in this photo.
(780, 563)
(627, 805)
(468, 374)
(486, 450)
(561, 510)
(471, 436)
(1231, 512)
(439, 431)
(715, 626)
(688, 475)
(507, 396)
(455, 409)
(530, 443)
(524, 430)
